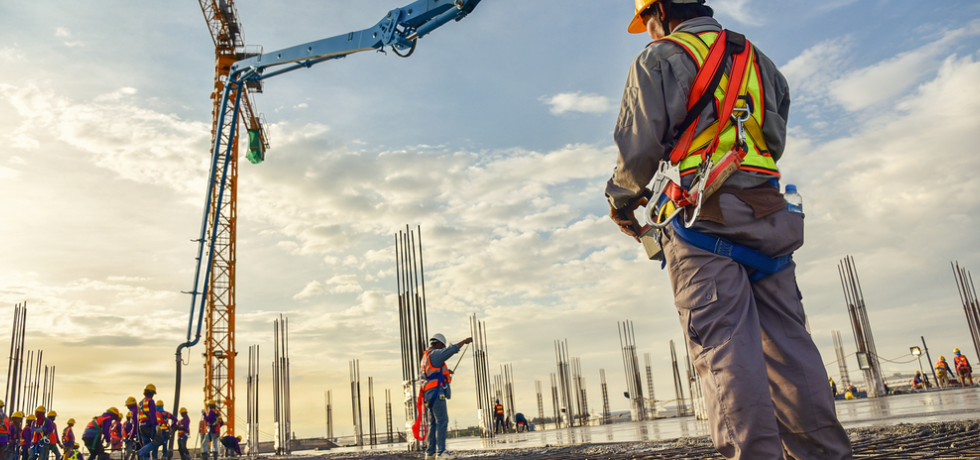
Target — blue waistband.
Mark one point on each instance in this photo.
(762, 264)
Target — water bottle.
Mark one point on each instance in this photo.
(794, 202)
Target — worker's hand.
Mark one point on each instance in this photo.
(466, 341)
(622, 217)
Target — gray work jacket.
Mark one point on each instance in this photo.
(655, 103)
(439, 357)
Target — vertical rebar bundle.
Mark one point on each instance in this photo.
(581, 398)
(605, 397)
(481, 376)
(15, 366)
(252, 412)
(863, 338)
(694, 387)
(328, 403)
(554, 402)
(631, 365)
(388, 425)
(678, 386)
(537, 388)
(565, 382)
(652, 407)
(968, 296)
(280, 388)
(355, 400)
(845, 377)
(412, 319)
(507, 387)
(372, 417)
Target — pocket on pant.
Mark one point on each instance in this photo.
(706, 324)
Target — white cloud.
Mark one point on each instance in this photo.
(312, 289)
(738, 10)
(10, 54)
(62, 32)
(301, 106)
(138, 144)
(343, 284)
(577, 102)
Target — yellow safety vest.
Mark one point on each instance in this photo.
(757, 159)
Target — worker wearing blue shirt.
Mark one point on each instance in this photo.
(436, 391)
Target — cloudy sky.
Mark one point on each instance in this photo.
(495, 137)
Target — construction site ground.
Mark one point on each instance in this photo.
(936, 424)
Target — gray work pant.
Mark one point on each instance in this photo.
(765, 386)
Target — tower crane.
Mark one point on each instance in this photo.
(239, 72)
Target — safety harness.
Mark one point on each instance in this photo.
(701, 154)
(433, 377)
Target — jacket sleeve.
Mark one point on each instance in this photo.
(654, 103)
(776, 94)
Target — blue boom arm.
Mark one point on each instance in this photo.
(400, 29)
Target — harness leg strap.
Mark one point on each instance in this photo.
(762, 264)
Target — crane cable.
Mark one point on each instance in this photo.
(410, 51)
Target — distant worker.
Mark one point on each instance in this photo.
(232, 445)
(916, 382)
(183, 432)
(434, 393)
(68, 434)
(963, 367)
(98, 433)
(833, 386)
(213, 422)
(131, 430)
(14, 436)
(4, 432)
(942, 372)
(26, 437)
(72, 452)
(498, 416)
(162, 436)
(116, 437)
(739, 308)
(54, 441)
(521, 422)
(147, 421)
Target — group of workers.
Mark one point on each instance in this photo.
(501, 424)
(944, 373)
(146, 428)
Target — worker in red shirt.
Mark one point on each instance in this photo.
(963, 367)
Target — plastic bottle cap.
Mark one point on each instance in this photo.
(790, 188)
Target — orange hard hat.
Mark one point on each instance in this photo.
(637, 26)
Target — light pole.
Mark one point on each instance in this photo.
(917, 352)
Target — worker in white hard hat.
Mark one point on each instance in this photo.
(727, 232)
(434, 393)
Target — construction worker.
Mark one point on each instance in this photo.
(232, 444)
(68, 434)
(72, 452)
(963, 367)
(942, 372)
(165, 420)
(4, 431)
(498, 416)
(27, 437)
(916, 382)
(521, 422)
(147, 420)
(183, 428)
(53, 440)
(41, 429)
(14, 436)
(98, 433)
(740, 309)
(214, 423)
(436, 391)
(131, 430)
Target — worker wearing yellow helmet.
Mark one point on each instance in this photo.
(42, 428)
(213, 423)
(68, 434)
(675, 132)
(962, 367)
(53, 440)
(943, 372)
(147, 420)
(183, 432)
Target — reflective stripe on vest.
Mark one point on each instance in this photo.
(498, 409)
(162, 419)
(145, 409)
(430, 372)
(757, 158)
(67, 436)
(961, 362)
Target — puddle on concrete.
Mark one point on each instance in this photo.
(933, 406)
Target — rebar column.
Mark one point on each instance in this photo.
(634, 383)
(863, 337)
(968, 297)
(412, 319)
(678, 386)
(605, 397)
(481, 377)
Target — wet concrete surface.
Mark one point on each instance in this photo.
(934, 406)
